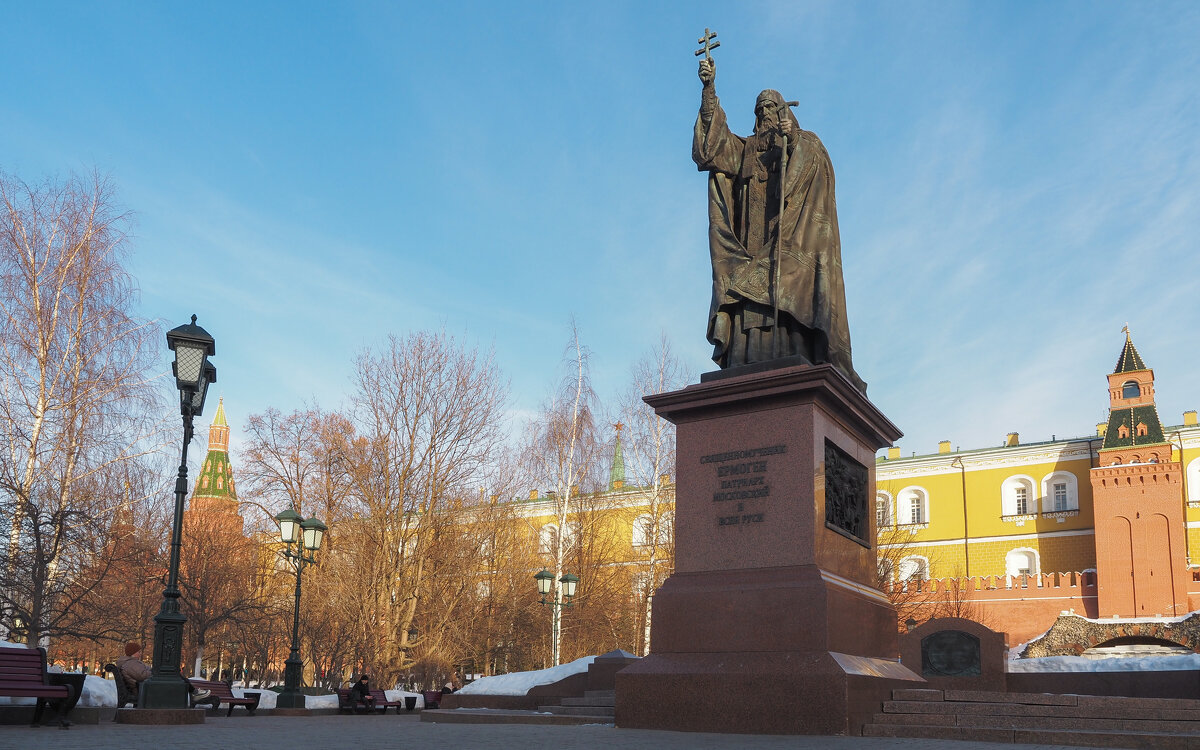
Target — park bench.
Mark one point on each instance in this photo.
(23, 675)
(383, 704)
(346, 704)
(125, 696)
(433, 698)
(221, 693)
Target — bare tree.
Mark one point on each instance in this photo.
(563, 449)
(649, 451)
(428, 413)
(217, 570)
(74, 395)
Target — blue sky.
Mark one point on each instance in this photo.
(1015, 182)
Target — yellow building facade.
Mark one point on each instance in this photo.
(1018, 507)
(1014, 527)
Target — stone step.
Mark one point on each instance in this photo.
(931, 720)
(591, 700)
(501, 716)
(1109, 710)
(1138, 740)
(1090, 723)
(600, 694)
(579, 710)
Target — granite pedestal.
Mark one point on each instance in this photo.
(771, 622)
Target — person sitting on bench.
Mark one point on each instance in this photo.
(135, 672)
(361, 693)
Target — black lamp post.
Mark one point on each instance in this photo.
(306, 535)
(166, 687)
(545, 582)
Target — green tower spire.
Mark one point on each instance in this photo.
(616, 477)
(216, 475)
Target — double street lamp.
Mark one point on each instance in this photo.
(166, 688)
(545, 582)
(306, 535)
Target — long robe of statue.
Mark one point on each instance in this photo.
(744, 226)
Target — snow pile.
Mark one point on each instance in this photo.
(1173, 663)
(97, 691)
(519, 683)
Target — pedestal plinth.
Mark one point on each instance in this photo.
(771, 622)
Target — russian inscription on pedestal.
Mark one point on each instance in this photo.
(846, 495)
(741, 478)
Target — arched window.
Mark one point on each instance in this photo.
(883, 510)
(914, 568)
(912, 506)
(1060, 492)
(1123, 432)
(643, 530)
(1193, 480)
(666, 527)
(1016, 496)
(1022, 562)
(548, 539)
(1130, 389)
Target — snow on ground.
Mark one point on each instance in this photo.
(519, 683)
(1173, 663)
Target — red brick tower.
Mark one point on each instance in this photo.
(1141, 555)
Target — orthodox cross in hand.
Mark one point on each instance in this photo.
(709, 44)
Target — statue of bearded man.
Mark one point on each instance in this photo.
(747, 235)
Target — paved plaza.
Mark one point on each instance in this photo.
(406, 731)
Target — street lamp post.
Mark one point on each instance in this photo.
(166, 688)
(545, 582)
(306, 535)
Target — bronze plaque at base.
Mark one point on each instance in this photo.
(771, 622)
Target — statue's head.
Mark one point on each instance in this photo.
(767, 111)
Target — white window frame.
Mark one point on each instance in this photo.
(642, 526)
(1026, 553)
(1192, 477)
(1008, 495)
(905, 500)
(889, 517)
(913, 564)
(547, 537)
(666, 528)
(1060, 477)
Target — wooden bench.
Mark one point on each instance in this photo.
(346, 704)
(221, 693)
(383, 704)
(433, 698)
(23, 675)
(124, 694)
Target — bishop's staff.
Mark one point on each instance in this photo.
(782, 113)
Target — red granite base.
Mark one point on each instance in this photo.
(291, 712)
(771, 622)
(160, 716)
(756, 692)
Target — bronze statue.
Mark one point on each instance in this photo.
(777, 285)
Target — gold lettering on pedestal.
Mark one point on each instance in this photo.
(742, 476)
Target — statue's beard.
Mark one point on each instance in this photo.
(765, 134)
